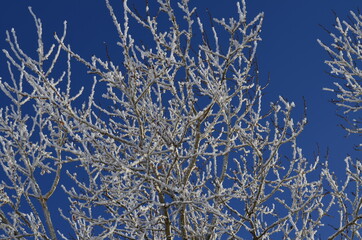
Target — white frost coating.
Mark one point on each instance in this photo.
(173, 143)
(344, 63)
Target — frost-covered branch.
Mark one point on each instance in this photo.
(345, 63)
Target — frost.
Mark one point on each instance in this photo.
(173, 142)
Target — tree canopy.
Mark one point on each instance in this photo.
(172, 140)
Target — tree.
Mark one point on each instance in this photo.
(345, 64)
(172, 142)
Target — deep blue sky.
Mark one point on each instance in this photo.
(289, 51)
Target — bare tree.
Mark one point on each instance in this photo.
(345, 63)
(173, 142)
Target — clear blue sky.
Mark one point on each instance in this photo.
(289, 51)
